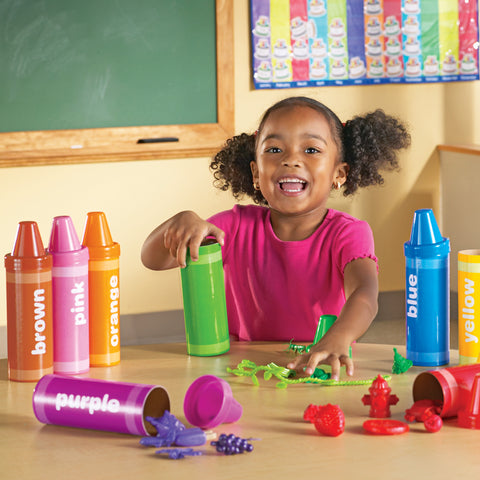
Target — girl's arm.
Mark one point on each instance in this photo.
(166, 247)
(361, 292)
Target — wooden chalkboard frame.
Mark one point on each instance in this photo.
(58, 147)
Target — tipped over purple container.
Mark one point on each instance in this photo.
(99, 404)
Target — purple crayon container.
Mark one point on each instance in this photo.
(99, 404)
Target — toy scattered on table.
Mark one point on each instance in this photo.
(231, 444)
(29, 306)
(469, 417)
(171, 431)
(179, 453)
(247, 368)
(427, 258)
(421, 409)
(324, 323)
(433, 423)
(400, 363)
(209, 402)
(385, 427)
(380, 398)
(328, 419)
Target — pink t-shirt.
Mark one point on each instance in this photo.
(277, 290)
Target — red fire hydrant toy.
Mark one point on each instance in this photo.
(379, 398)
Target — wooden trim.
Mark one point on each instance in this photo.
(57, 147)
(468, 149)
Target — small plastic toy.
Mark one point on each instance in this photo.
(400, 363)
(379, 398)
(179, 453)
(433, 423)
(385, 427)
(328, 419)
(247, 368)
(231, 444)
(171, 431)
(422, 409)
(470, 416)
(426, 411)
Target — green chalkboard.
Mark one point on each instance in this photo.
(76, 64)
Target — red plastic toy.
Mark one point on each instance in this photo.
(379, 398)
(328, 419)
(385, 427)
(426, 411)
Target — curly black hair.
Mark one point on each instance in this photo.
(368, 144)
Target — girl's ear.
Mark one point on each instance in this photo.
(341, 173)
(254, 169)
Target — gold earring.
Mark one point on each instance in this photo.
(338, 185)
(256, 186)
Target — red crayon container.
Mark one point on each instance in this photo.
(104, 291)
(29, 306)
(452, 386)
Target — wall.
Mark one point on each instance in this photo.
(137, 196)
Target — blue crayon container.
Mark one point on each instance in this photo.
(427, 292)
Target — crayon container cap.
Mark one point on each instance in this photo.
(209, 402)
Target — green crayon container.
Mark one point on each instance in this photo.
(204, 303)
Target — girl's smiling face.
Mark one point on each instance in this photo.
(297, 162)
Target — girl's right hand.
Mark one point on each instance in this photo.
(188, 230)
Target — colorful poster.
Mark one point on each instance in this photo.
(301, 43)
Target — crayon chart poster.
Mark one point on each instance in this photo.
(302, 43)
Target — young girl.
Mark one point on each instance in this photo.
(290, 260)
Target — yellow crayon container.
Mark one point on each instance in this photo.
(104, 291)
(468, 306)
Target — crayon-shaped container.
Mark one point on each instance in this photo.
(427, 292)
(70, 298)
(450, 386)
(204, 302)
(469, 306)
(29, 306)
(104, 291)
(99, 404)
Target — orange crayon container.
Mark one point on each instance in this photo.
(29, 306)
(104, 291)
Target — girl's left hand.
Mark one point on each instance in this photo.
(327, 351)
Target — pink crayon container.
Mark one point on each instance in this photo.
(71, 354)
(452, 386)
(99, 404)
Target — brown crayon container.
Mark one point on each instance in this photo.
(29, 306)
